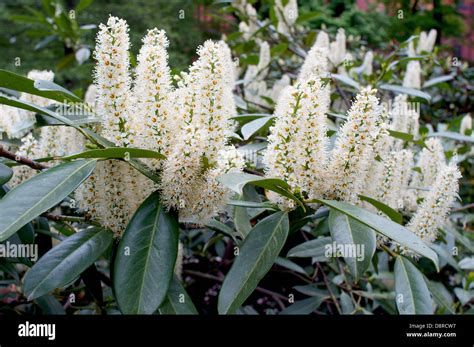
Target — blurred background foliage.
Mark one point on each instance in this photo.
(44, 35)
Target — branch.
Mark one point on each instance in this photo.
(21, 160)
(276, 296)
(343, 95)
(465, 207)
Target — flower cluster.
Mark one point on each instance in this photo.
(297, 146)
(205, 110)
(354, 147)
(286, 14)
(432, 213)
(190, 124)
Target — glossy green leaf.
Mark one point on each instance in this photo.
(25, 105)
(256, 256)
(116, 153)
(390, 212)
(357, 239)
(412, 294)
(441, 295)
(405, 90)
(41, 192)
(437, 80)
(49, 90)
(255, 126)
(346, 80)
(66, 261)
(146, 257)
(5, 173)
(452, 136)
(251, 204)
(385, 227)
(177, 301)
(237, 182)
(305, 306)
(288, 264)
(312, 249)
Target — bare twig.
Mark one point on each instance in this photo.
(73, 219)
(343, 95)
(326, 282)
(21, 159)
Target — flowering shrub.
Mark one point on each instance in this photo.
(236, 170)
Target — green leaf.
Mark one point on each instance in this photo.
(390, 212)
(346, 303)
(237, 182)
(5, 174)
(412, 294)
(46, 89)
(346, 80)
(406, 137)
(66, 261)
(312, 249)
(146, 257)
(307, 16)
(49, 305)
(251, 204)
(437, 80)
(256, 257)
(452, 136)
(116, 153)
(278, 49)
(255, 126)
(460, 237)
(6, 100)
(244, 118)
(288, 264)
(177, 301)
(353, 236)
(441, 295)
(83, 4)
(305, 306)
(404, 90)
(41, 192)
(385, 227)
(222, 228)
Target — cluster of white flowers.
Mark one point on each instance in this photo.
(205, 110)
(316, 62)
(51, 141)
(337, 48)
(14, 122)
(250, 27)
(432, 213)
(287, 15)
(297, 146)
(152, 92)
(354, 147)
(190, 124)
(412, 78)
(404, 117)
(365, 159)
(426, 42)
